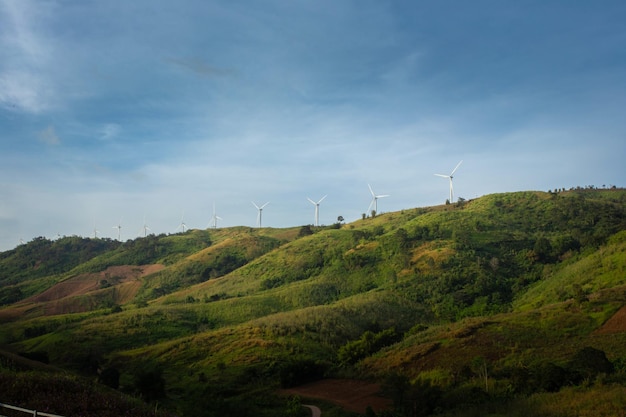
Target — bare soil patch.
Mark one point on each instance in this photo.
(83, 292)
(616, 324)
(85, 283)
(350, 394)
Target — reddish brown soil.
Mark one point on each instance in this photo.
(81, 292)
(350, 394)
(616, 324)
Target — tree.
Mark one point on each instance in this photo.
(305, 231)
(590, 362)
(543, 249)
(110, 377)
(340, 219)
(479, 366)
(150, 383)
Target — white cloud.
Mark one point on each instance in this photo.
(49, 136)
(110, 131)
(24, 91)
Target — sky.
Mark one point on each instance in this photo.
(147, 112)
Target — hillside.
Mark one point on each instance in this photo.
(491, 302)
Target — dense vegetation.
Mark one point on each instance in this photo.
(490, 304)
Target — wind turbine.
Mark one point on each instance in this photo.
(145, 227)
(95, 232)
(317, 209)
(119, 229)
(182, 224)
(215, 218)
(375, 199)
(450, 178)
(260, 209)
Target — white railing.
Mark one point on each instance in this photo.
(33, 413)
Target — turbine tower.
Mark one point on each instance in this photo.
(317, 209)
(215, 218)
(260, 209)
(119, 230)
(375, 199)
(450, 178)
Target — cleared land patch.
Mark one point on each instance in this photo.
(616, 324)
(350, 394)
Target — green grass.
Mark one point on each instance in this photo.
(515, 278)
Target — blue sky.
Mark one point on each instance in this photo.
(116, 111)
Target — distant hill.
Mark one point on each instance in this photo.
(487, 302)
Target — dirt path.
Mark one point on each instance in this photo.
(315, 411)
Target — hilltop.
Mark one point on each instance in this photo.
(487, 303)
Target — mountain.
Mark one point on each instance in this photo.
(483, 304)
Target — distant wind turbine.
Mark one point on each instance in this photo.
(95, 231)
(145, 227)
(317, 209)
(119, 229)
(260, 209)
(215, 218)
(375, 199)
(182, 226)
(450, 178)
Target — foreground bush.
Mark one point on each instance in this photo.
(68, 396)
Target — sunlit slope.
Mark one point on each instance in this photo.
(103, 280)
(509, 277)
(443, 263)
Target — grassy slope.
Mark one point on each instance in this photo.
(301, 299)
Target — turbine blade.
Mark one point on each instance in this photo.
(456, 167)
(264, 205)
(371, 191)
(322, 199)
(442, 176)
(381, 196)
(254, 204)
(312, 202)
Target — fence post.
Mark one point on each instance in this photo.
(34, 413)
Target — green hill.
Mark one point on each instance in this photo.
(485, 304)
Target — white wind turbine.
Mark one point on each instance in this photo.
(145, 227)
(260, 209)
(375, 199)
(450, 178)
(215, 218)
(317, 209)
(119, 230)
(95, 231)
(182, 226)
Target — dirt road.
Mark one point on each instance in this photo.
(315, 411)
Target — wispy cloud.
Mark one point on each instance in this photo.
(200, 67)
(24, 84)
(110, 131)
(49, 136)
